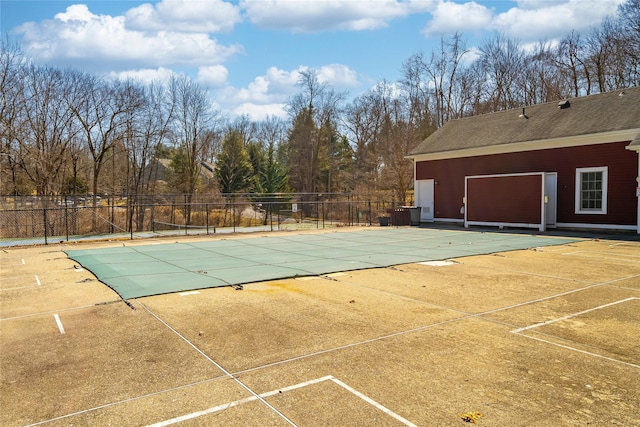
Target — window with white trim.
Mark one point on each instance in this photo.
(591, 190)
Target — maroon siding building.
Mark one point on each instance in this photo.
(573, 164)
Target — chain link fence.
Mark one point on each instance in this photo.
(37, 220)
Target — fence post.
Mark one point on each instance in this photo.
(206, 213)
(187, 214)
(44, 213)
(330, 209)
(233, 214)
(131, 211)
(66, 220)
(74, 220)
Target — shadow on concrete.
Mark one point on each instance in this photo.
(628, 236)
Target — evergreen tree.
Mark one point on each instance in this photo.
(180, 174)
(234, 169)
(271, 178)
(303, 152)
(258, 160)
(274, 179)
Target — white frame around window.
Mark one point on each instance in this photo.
(605, 180)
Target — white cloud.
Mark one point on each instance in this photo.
(449, 17)
(276, 85)
(145, 76)
(338, 75)
(321, 15)
(267, 94)
(259, 112)
(282, 81)
(79, 37)
(531, 20)
(76, 12)
(213, 75)
(392, 89)
(272, 88)
(536, 4)
(553, 19)
(200, 16)
(471, 56)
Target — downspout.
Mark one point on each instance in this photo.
(638, 193)
(415, 182)
(635, 146)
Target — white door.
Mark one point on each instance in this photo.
(551, 197)
(424, 200)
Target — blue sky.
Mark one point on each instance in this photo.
(249, 52)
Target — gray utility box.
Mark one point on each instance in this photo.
(415, 214)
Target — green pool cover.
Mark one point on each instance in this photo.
(139, 271)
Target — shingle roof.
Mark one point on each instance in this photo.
(593, 114)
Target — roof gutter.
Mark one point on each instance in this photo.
(543, 144)
(635, 144)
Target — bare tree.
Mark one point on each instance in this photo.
(615, 65)
(12, 72)
(542, 80)
(502, 61)
(599, 54)
(245, 127)
(571, 59)
(59, 127)
(443, 69)
(415, 81)
(473, 91)
(272, 131)
(396, 138)
(314, 112)
(47, 120)
(363, 119)
(100, 108)
(193, 120)
(149, 129)
(311, 91)
(77, 163)
(626, 32)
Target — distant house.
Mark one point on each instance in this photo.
(158, 168)
(569, 164)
